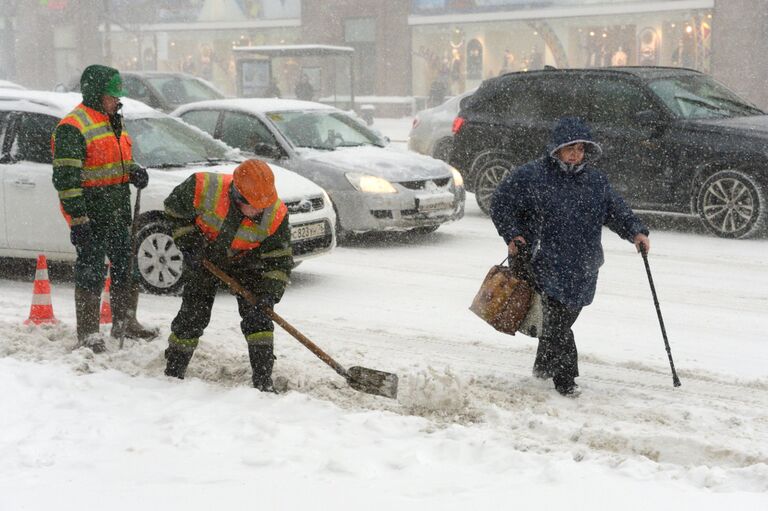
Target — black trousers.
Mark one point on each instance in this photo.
(557, 355)
(195, 313)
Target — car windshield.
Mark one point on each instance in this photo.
(180, 90)
(324, 130)
(164, 142)
(700, 97)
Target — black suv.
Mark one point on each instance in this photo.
(674, 140)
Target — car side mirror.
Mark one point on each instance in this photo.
(649, 118)
(268, 151)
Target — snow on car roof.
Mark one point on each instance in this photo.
(255, 105)
(60, 103)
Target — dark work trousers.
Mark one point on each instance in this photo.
(110, 239)
(195, 313)
(557, 355)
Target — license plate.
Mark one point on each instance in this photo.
(306, 231)
(426, 205)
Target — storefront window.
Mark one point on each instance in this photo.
(668, 38)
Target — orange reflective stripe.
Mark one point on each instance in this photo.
(107, 159)
(250, 235)
(211, 202)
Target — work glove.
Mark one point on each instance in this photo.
(81, 234)
(139, 177)
(265, 301)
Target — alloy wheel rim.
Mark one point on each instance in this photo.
(489, 181)
(728, 205)
(159, 260)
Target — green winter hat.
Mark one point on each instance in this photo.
(98, 80)
(115, 86)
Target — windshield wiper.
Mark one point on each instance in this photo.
(320, 147)
(704, 103)
(167, 165)
(735, 103)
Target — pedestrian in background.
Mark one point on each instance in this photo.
(304, 89)
(238, 223)
(557, 205)
(92, 167)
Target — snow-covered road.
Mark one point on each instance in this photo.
(471, 427)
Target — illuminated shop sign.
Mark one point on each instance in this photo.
(445, 6)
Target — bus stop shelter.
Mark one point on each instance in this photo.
(255, 65)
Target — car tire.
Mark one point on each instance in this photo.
(158, 259)
(442, 150)
(488, 176)
(732, 204)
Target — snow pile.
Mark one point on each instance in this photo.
(433, 392)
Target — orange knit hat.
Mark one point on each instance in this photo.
(254, 181)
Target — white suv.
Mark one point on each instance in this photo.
(30, 218)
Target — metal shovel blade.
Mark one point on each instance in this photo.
(372, 381)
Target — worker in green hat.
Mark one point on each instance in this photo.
(92, 168)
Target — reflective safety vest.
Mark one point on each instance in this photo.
(107, 160)
(212, 204)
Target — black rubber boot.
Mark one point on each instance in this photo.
(262, 360)
(566, 386)
(542, 366)
(177, 360)
(124, 323)
(87, 306)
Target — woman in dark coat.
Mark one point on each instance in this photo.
(557, 205)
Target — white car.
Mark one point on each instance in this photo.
(30, 218)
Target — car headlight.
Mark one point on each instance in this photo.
(458, 181)
(370, 184)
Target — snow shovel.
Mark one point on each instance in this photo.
(359, 378)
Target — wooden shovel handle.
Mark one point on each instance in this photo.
(238, 288)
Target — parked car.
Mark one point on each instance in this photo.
(31, 221)
(675, 141)
(432, 133)
(373, 188)
(163, 91)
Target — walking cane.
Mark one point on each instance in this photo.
(675, 379)
(132, 258)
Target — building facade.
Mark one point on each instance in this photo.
(402, 47)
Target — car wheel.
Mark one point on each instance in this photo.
(732, 204)
(158, 259)
(488, 177)
(442, 149)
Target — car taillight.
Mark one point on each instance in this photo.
(457, 124)
(415, 122)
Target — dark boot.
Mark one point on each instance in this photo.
(124, 322)
(87, 313)
(177, 359)
(542, 365)
(566, 386)
(262, 360)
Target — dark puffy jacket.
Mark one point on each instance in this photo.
(560, 212)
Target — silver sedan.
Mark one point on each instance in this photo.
(372, 187)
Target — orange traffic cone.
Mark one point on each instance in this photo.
(41, 311)
(106, 308)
